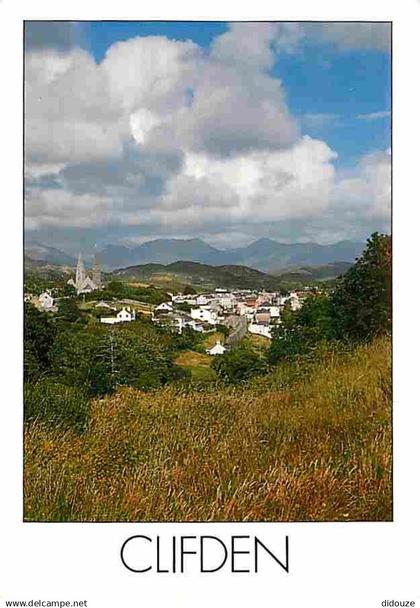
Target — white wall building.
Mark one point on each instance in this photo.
(217, 349)
(295, 303)
(260, 330)
(205, 315)
(164, 307)
(125, 315)
(46, 301)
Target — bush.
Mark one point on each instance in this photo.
(301, 331)
(239, 365)
(39, 334)
(55, 403)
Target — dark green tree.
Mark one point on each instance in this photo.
(189, 290)
(39, 335)
(302, 330)
(69, 311)
(361, 305)
(239, 365)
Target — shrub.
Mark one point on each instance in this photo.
(239, 365)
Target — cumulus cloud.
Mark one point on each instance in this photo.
(367, 189)
(160, 134)
(69, 111)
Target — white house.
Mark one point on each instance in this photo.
(125, 315)
(203, 299)
(205, 315)
(178, 321)
(46, 301)
(217, 349)
(294, 300)
(164, 307)
(274, 312)
(226, 301)
(260, 330)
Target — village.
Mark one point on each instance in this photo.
(239, 311)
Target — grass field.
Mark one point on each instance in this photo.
(212, 338)
(312, 445)
(198, 364)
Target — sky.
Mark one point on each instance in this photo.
(227, 132)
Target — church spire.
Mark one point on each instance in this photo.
(96, 271)
(80, 272)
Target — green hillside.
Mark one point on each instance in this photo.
(202, 275)
(308, 446)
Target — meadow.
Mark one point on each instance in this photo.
(310, 441)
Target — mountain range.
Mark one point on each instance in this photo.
(228, 276)
(264, 254)
(37, 252)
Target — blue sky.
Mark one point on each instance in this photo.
(291, 100)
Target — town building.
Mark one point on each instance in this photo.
(82, 282)
(45, 301)
(123, 316)
(217, 349)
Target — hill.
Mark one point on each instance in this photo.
(312, 444)
(265, 254)
(36, 252)
(202, 275)
(308, 274)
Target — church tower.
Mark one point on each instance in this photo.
(80, 272)
(96, 272)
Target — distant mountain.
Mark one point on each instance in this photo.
(264, 254)
(307, 274)
(42, 253)
(161, 251)
(271, 256)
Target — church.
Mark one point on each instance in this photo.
(83, 283)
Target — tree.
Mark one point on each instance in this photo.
(361, 305)
(101, 360)
(39, 334)
(184, 307)
(189, 290)
(302, 330)
(74, 361)
(69, 311)
(239, 365)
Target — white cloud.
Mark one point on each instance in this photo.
(366, 190)
(161, 134)
(70, 115)
(58, 208)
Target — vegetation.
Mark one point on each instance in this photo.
(118, 290)
(137, 423)
(361, 303)
(312, 446)
(203, 275)
(358, 309)
(239, 364)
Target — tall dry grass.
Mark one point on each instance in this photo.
(315, 449)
